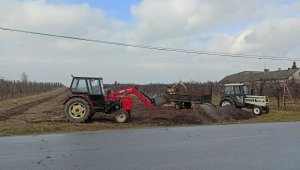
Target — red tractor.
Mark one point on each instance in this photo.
(88, 97)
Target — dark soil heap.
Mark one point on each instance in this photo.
(199, 114)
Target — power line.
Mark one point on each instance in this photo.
(249, 56)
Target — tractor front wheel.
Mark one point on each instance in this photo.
(77, 110)
(121, 116)
(257, 110)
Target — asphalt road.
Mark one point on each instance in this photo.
(251, 146)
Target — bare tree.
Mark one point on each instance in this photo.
(24, 77)
(11, 89)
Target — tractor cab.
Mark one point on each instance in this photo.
(237, 92)
(239, 95)
(91, 87)
(236, 89)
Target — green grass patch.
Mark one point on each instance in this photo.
(36, 129)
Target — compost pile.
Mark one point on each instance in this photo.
(199, 114)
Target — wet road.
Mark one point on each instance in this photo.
(253, 146)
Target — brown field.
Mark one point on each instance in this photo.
(42, 113)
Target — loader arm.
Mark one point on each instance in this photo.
(138, 93)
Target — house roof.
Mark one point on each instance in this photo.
(249, 76)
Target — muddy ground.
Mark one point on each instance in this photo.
(46, 110)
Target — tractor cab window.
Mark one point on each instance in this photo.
(79, 86)
(229, 90)
(95, 87)
(237, 90)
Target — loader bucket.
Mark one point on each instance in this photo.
(160, 100)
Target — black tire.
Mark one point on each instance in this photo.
(227, 102)
(77, 110)
(121, 116)
(129, 114)
(187, 105)
(257, 110)
(266, 110)
(91, 115)
(178, 105)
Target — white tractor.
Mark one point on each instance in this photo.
(238, 95)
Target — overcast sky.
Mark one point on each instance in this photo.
(260, 27)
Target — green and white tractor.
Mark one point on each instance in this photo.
(238, 95)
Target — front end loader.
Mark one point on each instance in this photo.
(88, 97)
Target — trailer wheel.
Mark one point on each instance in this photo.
(187, 105)
(178, 105)
(257, 110)
(77, 110)
(121, 116)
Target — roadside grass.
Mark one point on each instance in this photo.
(279, 114)
(36, 129)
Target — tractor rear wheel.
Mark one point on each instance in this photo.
(91, 115)
(77, 110)
(226, 102)
(256, 110)
(121, 116)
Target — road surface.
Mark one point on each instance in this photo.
(250, 146)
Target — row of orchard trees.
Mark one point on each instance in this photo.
(192, 87)
(272, 88)
(275, 88)
(11, 89)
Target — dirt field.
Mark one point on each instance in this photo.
(42, 113)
